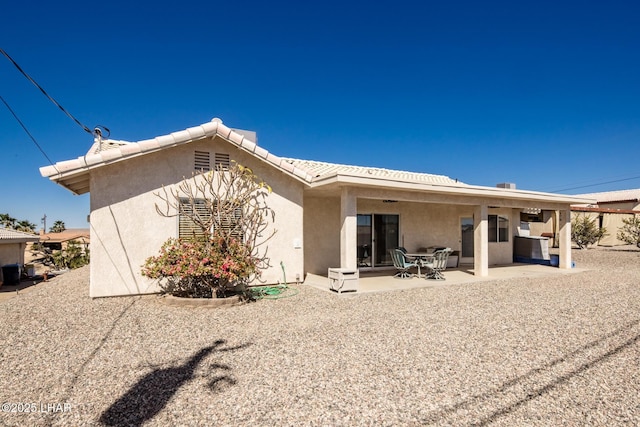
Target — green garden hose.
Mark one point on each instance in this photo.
(281, 290)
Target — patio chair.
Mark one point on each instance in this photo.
(437, 263)
(400, 262)
(363, 255)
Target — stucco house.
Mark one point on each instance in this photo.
(60, 240)
(12, 247)
(610, 208)
(325, 214)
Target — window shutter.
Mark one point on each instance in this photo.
(186, 226)
(230, 224)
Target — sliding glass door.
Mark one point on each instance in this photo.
(377, 233)
(365, 241)
(466, 239)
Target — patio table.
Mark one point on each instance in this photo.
(419, 257)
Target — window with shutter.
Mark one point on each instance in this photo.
(187, 227)
(230, 224)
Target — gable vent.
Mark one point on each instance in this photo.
(202, 161)
(222, 160)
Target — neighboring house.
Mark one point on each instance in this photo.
(60, 240)
(325, 214)
(12, 247)
(610, 209)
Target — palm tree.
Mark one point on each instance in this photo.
(26, 226)
(7, 221)
(57, 227)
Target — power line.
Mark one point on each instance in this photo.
(600, 183)
(85, 128)
(28, 133)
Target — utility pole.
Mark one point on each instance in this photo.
(44, 221)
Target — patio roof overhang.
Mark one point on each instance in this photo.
(383, 188)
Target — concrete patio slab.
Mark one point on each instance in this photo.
(383, 281)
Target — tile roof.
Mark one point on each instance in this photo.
(107, 151)
(66, 235)
(73, 174)
(322, 169)
(10, 235)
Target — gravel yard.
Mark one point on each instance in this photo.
(563, 350)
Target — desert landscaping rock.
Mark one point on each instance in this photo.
(558, 350)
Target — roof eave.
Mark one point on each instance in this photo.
(74, 174)
(77, 182)
(456, 189)
(19, 240)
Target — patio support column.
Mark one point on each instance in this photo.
(481, 241)
(349, 229)
(564, 221)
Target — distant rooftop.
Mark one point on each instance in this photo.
(66, 235)
(614, 196)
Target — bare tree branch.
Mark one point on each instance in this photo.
(232, 203)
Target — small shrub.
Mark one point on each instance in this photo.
(585, 232)
(630, 231)
(73, 256)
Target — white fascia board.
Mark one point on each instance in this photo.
(461, 189)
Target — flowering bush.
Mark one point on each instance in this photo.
(200, 268)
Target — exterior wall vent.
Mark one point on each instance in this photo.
(202, 161)
(222, 160)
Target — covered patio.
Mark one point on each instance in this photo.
(383, 280)
(354, 216)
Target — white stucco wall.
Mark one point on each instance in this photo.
(322, 234)
(126, 229)
(501, 253)
(427, 224)
(613, 222)
(12, 253)
(546, 226)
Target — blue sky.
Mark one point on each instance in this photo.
(543, 94)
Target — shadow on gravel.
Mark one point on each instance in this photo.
(152, 392)
(533, 383)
